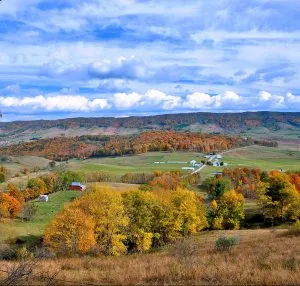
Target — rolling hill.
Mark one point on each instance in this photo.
(271, 125)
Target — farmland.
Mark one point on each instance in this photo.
(265, 158)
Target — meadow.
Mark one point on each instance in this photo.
(265, 158)
(262, 257)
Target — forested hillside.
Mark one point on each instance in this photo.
(231, 122)
(63, 148)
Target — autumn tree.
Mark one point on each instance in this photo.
(70, 232)
(14, 192)
(9, 206)
(279, 197)
(189, 212)
(38, 186)
(228, 211)
(139, 208)
(106, 209)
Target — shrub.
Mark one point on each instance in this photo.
(226, 243)
(184, 249)
(294, 229)
(30, 211)
(2, 177)
(7, 252)
(291, 263)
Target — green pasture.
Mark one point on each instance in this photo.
(265, 158)
(32, 230)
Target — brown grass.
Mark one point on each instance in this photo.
(262, 257)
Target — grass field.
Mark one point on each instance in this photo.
(32, 230)
(141, 163)
(265, 158)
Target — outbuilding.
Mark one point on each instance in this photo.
(43, 198)
(76, 186)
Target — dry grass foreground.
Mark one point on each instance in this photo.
(263, 257)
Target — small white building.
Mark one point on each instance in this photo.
(219, 156)
(216, 163)
(188, 168)
(193, 162)
(43, 198)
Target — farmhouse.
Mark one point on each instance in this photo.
(76, 186)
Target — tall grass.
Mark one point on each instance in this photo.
(262, 257)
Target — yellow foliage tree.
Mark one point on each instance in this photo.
(228, 211)
(189, 212)
(107, 211)
(71, 232)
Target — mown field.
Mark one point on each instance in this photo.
(265, 158)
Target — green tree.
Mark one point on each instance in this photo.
(279, 198)
(216, 187)
(2, 177)
(65, 178)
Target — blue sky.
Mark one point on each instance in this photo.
(68, 58)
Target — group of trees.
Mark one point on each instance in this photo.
(58, 148)
(279, 197)
(245, 180)
(64, 148)
(107, 222)
(277, 193)
(169, 141)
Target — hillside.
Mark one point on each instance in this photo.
(64, 148)
(256, 124)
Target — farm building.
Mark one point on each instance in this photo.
(43, 198)
(76, 186)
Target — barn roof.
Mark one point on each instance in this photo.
(77, 184)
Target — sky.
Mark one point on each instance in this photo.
(70, 58)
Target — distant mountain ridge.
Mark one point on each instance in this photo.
(233, 123)
(238, 120)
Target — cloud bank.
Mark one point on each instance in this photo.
(153, 100)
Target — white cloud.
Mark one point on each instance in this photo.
(151, 100)
(127, 100)
(198, 100)
(55, 103)
(264, 96)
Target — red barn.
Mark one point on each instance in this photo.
(76, 186)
